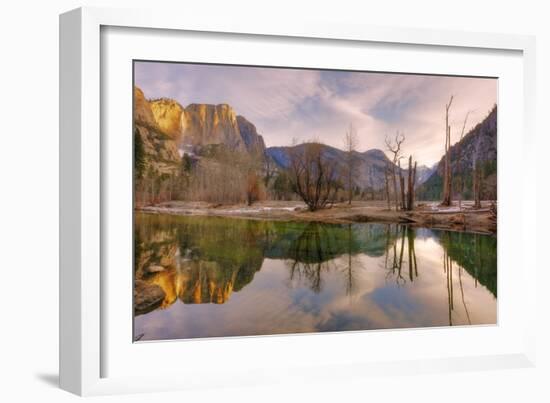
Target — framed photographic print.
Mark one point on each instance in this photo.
(238, 233)
(264, 192)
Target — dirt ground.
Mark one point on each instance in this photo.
(426, 214)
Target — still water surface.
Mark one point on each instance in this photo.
(235, 277)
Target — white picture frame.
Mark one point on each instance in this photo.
(85, 345)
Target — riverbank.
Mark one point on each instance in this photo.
(426, 214)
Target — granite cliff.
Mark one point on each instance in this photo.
(197, 125)
(159, 147)
(253, 142)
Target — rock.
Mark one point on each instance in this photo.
(212, 124)
(162, 152)
(169, 116)
(253, 141)
(147, 297)
(167, 127)
(142, 110)
(155, 269)
(160, 148)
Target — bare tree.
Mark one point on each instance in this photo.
(447, 174)
(253, 188)
(477, 176)
(401, 186)
(227, 177)
(269, 169)
(458, 158)
(394, 147)
(386, 175)
(411, 181)
(312, 175)
(351, 142)
(412, 254)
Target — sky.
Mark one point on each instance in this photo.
(286, 104)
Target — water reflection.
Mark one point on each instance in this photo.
(224, 277)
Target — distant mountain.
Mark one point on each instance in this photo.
(370, 166)
(423, 173)
(480, 143)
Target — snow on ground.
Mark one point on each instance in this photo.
(436, 207)
(192, 208)
(259, 209)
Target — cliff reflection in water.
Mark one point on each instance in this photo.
(223, 277)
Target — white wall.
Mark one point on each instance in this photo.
(29, 186)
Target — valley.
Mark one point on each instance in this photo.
(207, 160)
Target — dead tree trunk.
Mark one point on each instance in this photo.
(477, 185)
(410, 185)
(386, 173)
(394, 147)
(446, 201)
(477, 177)
(403, 201)
(402, 187)
(460, 183)
(350, 142)
(413, 187)
(395, 195)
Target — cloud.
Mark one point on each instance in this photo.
(304, 104)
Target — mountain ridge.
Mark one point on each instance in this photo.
(169, 130)
(480, 142)
(370, 165)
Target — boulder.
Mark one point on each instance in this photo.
(147, 297)
(155, 268)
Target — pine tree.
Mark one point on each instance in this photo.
(140, 159)
(186, 164)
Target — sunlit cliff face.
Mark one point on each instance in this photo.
(194, 283)
(142, 110)
(159, 148)
(192, 266)
(161, 261)
(196, 124)
(167, 280)
(205, 283)
(169, 116)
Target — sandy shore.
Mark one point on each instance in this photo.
(427, 214)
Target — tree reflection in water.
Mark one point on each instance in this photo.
(475, 253)
(202, 260)
(316, 251)
(311, 253)
(395, 249)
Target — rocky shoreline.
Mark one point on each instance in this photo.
(147, 297)
(427, 214)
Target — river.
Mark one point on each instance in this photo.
(238, 277)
